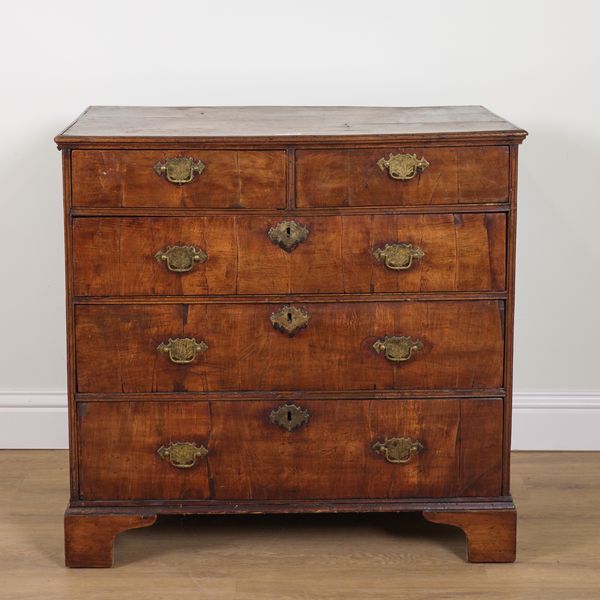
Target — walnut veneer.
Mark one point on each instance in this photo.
(289, 310)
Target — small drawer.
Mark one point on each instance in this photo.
(402, 176)
(226, 346)
(255, 451)
(179, 178)
(116, 256)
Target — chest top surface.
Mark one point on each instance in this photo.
(285, 123)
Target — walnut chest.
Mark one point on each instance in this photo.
(289, 310)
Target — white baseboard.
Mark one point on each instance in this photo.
(541, 420)
(33, 420)
(556, 421)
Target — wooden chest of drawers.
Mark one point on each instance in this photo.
(289, 310)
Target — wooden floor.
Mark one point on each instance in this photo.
(302, 557)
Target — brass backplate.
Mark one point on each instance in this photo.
(182, 351)
(398, 449)
(182, 455)
(289, 416)
(397, 348)
(180, 259)
(288, 234)
(402, 166)
(179, 170)
(290, 319)
(398, 257)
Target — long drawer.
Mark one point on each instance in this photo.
(271, 255)
(179, 178)
(402, 176)
(226, 346)
(336, 449)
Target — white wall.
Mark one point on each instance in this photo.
(537, 63)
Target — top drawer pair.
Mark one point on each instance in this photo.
(219, 179)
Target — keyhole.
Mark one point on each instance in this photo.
(288, 231)
(289, 415)
(289, 317)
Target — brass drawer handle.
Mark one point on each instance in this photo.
(290, 319)
(288, 234)
(402, 166)
(181, 259)
(397, 348)
(398, 450)
(289, 416)
(398, 257)
(182, 351)
(182, 455)
(179, 170)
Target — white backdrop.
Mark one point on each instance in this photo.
(536, 63)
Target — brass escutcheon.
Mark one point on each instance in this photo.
(398, 450)
(290, 319)
(402, 166)
(288, 234)
(397, 348)
(289, 416)
(179, 170)
(182, 351)
(182, 455)
(180, 259)
(398, 257)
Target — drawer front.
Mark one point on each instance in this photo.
(230, 347)
(359, 177)
(211, 179)
(341, 254)
(435, 448)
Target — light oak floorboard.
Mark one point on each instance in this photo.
(301, 557)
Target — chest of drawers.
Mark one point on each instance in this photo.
(282, 309)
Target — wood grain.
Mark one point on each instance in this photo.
(115, 256)
(122, 178)
(481, 447)
(251, 458)
(147, 125)
(491, 535)
(510, 314)
(116, 347)
(70, 321)
(89, 539)
(332, 457)
(351, 177)
(118, 450)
